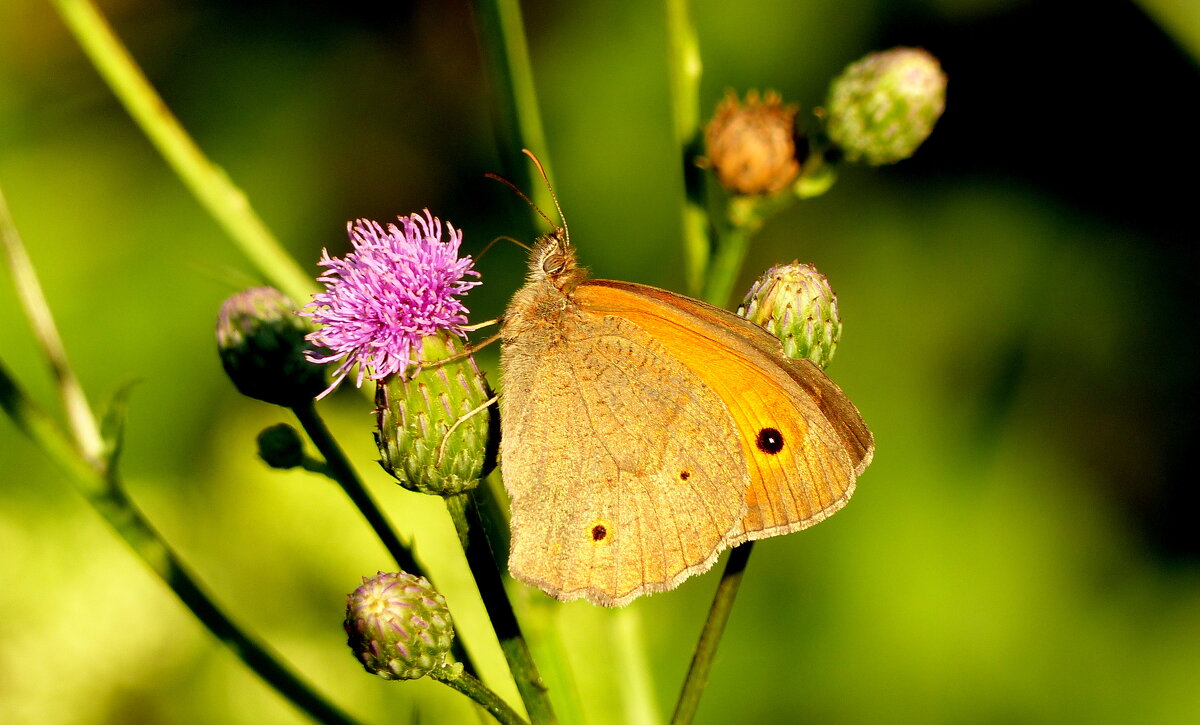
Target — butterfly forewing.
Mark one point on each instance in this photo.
(803, 440)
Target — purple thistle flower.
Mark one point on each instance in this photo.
(396, 287)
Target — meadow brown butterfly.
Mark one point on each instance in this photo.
(643, 432)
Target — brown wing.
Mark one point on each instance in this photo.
(624, 469)
(804, 441)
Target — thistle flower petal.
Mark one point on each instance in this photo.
(397, 286)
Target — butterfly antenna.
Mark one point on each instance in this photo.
(502, 238)
(561, 216)
(523, 195)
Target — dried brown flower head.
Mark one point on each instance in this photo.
(751, 144)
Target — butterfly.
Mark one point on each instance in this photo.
(643, 432)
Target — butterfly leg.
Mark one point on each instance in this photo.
(478, 409)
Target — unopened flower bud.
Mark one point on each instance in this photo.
(280, 446)
(398, 626)
(261, 341)
(881, 108)
(433, 428)
(795, 303)
(752, 145)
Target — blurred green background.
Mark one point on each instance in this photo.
(1020, 333)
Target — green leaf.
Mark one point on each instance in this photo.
(112, 426)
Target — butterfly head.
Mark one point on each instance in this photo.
(553, 261)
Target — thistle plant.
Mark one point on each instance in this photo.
(432, 430)
(881, 108)
(399, 626)
(795, 303)
(391, 311)
(279, 446)
(399, 286)
(261, 343)
(752, 144)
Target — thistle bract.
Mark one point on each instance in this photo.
(433, 428)
(262, 345)
(795, 303)
(398, 626)
(881, 108)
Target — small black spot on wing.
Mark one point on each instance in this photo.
(769, 440)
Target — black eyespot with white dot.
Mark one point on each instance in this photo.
(769, 440)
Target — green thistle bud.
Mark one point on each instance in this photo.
(752, 145)
(881, 108)
(261, 342)
(432, 434)
(795, 303)
(398, 626)
(280, 446)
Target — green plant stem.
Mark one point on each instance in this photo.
(710, 635)
(544, 634)
(727, 265)
(474, 689)
(341, 471)
(79, 414)
(517, 116)
(317, 466)
(208, 183)
(518, 125)
(90, 466)
(106, 495)
(684, 69)
(723, 274)
(637, 687)
(465, 514)
(541, 628)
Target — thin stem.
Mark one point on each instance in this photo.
(744, 216)
(731, 253)
(479, 516)
(637, 687)
(728, 262)
(477, 691)
(79, 414)
(710, 635)
(684, 68)
(341, 471)
(465, 513)
(517, 116)
(727, 265)
(207, 182)
(106, 495)
(544, 630)
(319, 467)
